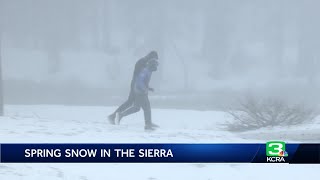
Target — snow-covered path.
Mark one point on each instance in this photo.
(156, 171)
(54, 124)
(65, 124)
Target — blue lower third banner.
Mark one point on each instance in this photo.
(271, 152)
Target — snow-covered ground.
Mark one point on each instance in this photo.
(65, 124)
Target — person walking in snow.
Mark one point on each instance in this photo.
(140, 91)
(139, 66)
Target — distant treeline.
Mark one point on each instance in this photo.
(75, 93)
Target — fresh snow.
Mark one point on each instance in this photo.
(82, 124)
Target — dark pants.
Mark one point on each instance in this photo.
(140, 101)
(129, 103)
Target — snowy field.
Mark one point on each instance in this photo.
(65, 124)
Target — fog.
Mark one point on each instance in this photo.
(210, 51)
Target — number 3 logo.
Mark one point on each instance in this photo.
(274, 148)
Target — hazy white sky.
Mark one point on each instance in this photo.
(203, 45)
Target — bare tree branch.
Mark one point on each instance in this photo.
(255, 114)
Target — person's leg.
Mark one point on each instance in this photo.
(145, 104)
(128, 103)
(129, 111)
(135, 108)
(149, 125)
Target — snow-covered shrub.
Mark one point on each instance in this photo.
(255, 113)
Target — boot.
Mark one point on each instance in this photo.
(111, 119)
(154, 125)
(149, 128)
